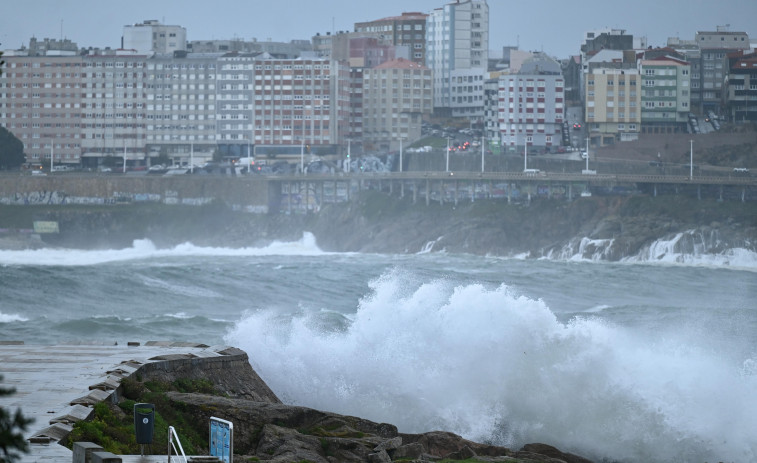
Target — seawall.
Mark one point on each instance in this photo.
(249, 192)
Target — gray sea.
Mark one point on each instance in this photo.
(641, 360)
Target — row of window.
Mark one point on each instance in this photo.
(611, 82)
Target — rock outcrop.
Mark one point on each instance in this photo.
(267, 430)
(281, 433)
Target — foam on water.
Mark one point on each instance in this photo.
(145, 249)
(495, 366)
(10, 318)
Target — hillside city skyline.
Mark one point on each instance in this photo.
(161, 93)
(559, 35)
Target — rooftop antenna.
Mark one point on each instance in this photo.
(61, 30)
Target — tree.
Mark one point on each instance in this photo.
(11, 430)
(11, 151)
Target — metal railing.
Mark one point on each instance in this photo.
(171, 434)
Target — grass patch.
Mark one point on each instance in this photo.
(112, 426)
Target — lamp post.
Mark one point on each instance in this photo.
(587, 153)
(691, 160)
(483, 139)
(447, 168)
(525, 153)
(349, 159)
(302, 157)
(400, 154)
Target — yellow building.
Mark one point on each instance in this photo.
(613, 105)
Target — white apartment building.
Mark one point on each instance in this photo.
(532, 105)
(457, 51)
(180, 106)
(113, 107)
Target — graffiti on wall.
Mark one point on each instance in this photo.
(60, 198)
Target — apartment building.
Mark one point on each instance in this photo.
(85, 109)
(180, 106)
(457, 50)
(408, 29)
(740, 92)
(665, 95)
(396, 95)
(613, 103)
(532, 105)
(41, 104)
(279, 106)
(604, 42)
(714, 46)
(113, 106)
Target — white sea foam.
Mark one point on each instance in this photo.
(690, 248)
(11, 318)
(492, 365)
(145, 249)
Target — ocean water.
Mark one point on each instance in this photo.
(650, 359)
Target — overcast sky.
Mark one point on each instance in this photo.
(554, 26)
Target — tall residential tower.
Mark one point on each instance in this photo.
(457, 50)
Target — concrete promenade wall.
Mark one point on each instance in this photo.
(247, 192)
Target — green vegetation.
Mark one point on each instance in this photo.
(12, 426)
(113, 425)
(11, 151)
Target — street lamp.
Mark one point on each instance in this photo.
(447, 168)
(691, 160)
(483, 139)
(302, 157)
(349, 160)
(587, 153)
(400, 154)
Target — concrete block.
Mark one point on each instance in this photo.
(83, 451)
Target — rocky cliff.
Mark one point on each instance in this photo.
(615, 226)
